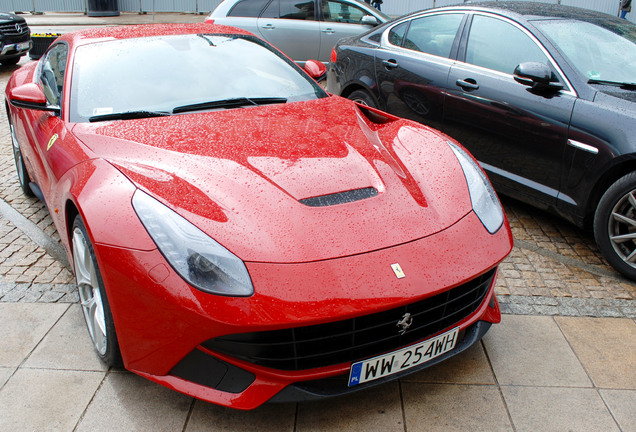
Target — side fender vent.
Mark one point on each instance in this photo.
(340, 197)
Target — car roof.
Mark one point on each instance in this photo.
(101, 34)
(535, 10)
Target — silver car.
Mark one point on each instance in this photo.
(301, 29)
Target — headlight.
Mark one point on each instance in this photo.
(482, 196)
(200, 260)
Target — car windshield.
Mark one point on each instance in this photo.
(152, 76)
(596, 52)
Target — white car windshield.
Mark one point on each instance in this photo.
(166, 75)
(599, 54)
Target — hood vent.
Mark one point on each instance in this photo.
(340, 197)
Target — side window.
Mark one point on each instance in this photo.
(499, 45)
(433, 34)
(290, 9)
(335, 11)
(248, 8)
(396, 34)
(52, 74)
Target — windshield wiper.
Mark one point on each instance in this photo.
(623, 85)
(128, 115)
(229, 103)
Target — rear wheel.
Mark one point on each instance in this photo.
(23, 175)
(615, 225)
(363, 98)
(93, 299)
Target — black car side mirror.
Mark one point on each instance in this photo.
(536, 75)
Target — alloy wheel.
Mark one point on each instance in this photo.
(89, 292)
(622, 228)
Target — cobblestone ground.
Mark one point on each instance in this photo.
(554, 268)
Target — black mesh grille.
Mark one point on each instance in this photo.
(354, 339)
(340, 198)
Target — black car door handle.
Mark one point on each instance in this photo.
(467, 84)
(391, 64)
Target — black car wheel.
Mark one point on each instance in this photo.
(93, 299)
(615, 225)
(362, 97)
(10, 61)
(23, 175)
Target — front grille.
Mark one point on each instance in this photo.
(357, 338)
(10, 29)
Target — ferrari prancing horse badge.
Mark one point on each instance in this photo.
(398, 271)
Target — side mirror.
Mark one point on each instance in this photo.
(315, 69)
(536, 75)
(369, 20)
(31, 96)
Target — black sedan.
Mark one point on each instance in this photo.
(544, 96)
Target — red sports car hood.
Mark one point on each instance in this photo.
(244, 176)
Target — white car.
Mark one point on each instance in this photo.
(301, 29)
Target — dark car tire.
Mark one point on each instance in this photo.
(10, 61)
(23, 175)
(362, 97)
(612, 219)
(93, 298)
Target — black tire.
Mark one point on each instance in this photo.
(614, 234)
(10, 61)
(23, 175)
(363, 98)
(93, 298)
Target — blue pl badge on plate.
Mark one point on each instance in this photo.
(354, 376)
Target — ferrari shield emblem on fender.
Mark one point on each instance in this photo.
(51, 142)
(398, 271)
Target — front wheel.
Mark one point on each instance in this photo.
(615, 225)
(23, 175)
(93, 299)
(362, 97)
(10, 61)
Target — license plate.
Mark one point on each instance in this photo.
(401, 360)
(22, 46)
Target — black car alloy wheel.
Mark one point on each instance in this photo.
(615, 225)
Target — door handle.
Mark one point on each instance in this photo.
(329, 31)
(390, 64)
(468, 84)
(269, 27)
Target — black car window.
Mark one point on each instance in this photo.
(336, 11)
(499, 45)
(433, 34)
(396, 34)
(290, 9)
(52, 70)
(247, 8)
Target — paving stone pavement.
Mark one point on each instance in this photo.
(554, 268)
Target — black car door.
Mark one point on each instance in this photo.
(413, 63)
(518, 135)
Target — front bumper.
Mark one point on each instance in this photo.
(163, 324)
(15, 49)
